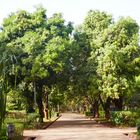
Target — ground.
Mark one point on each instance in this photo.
(72, 126)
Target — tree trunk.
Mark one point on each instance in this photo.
(47, 107)
(39, 101)
(95, 108)
(41, 113)
(29, 100)
(107, 109)
(118, 103)
(29, 106)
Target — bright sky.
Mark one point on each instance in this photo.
(74, 10)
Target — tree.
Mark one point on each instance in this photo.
(37, 44)
(94, 25)
(112, 61)
(116, 68)
(6, 67)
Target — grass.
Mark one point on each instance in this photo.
(23, 121)
(19, 127)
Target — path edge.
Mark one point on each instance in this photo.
(49, 125)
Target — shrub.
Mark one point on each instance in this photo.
(52, 113)
(19, 127)
(18, 131)
(102, 114)
(32, 117)
(3, 133)
(125, 117)
(88, 113)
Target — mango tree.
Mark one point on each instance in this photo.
(37, 44)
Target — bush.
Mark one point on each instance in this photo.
(102, 114)
(57, 114)
(128, 118)
(18, 131)
(3, 133)
(88, 113)
(52, 113)
(32, 117)
(19, 127)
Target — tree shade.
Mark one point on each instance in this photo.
(46, 61)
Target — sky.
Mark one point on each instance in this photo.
(74, 10)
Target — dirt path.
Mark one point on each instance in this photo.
(73, 126)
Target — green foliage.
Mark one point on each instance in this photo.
(128, 118)
(88, 113)
(32, 52)
(3, 94)
(117, 52)
(21, 121)
(102, 114)
(39, 58)
(95, 22)
(31, 118)
(135, 99)
(14, 101)
(19, 126)
(55, 98)
(3, 133)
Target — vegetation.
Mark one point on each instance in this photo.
(48, 66)
(127, 118)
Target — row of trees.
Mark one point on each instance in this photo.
(47, 62)
(112, 60)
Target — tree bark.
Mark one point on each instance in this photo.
(29, 100)
(39, 101)
(118, 103)
(47, 107)
(107, 108)
(95, 107)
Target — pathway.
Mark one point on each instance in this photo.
(72, 126)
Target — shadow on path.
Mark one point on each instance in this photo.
(71, 126)
(75, 123)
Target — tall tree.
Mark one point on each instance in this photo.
(94, 25)
(116, 61)
(37, 44)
